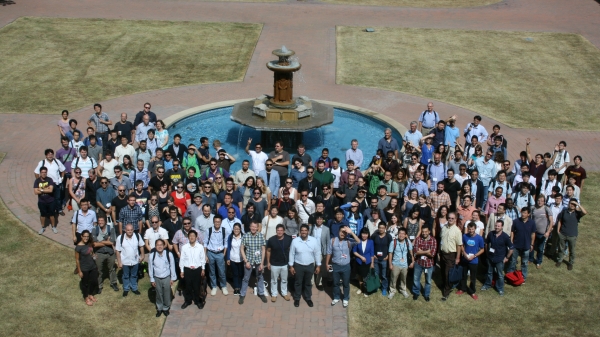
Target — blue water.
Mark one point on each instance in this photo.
(347, 125)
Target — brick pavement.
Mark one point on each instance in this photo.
(311, 33)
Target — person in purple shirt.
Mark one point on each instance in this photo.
(522, 236)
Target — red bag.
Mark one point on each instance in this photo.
(515, 278)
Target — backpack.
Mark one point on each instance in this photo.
(137, 152)
(429, 169)
(437, 117)
(77, 162)
(529, 199)
(137, 235)
(515, 278)
(505, 189)
(168, 257)
(207, 172)
(408, 256)
(210, 234)
(97, 230)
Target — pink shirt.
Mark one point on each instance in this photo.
(492, 204)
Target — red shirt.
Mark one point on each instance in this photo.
(181, 203)
(421, 244)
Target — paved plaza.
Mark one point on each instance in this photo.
(308, 27)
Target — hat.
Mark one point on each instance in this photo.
(197, 195)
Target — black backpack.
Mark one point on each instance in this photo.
(139, 238)
(210, 234)
(168, 256)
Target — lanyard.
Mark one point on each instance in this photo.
(282, 244)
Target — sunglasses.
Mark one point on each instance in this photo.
(219, 178)
(230, 212)
(304, 195)
(121, 190)
(309, 172)
(154, 221)
(104, 183)
(187, 223)
(179, 186)
(257, 193)
(288, 182)
(269, 164)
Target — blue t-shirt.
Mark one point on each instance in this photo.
(472, 245)
(452, 133)
(400, 253)
(427, 154)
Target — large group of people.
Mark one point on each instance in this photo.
(422, 205)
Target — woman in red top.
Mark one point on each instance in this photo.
(181, 198)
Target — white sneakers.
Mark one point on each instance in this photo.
(345, 303)
(213, 291)
(334, 302)
(405, 294)
(358, 292)
(225, 292)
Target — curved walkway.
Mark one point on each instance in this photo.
(309, 29)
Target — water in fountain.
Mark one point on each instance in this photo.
(347, 125)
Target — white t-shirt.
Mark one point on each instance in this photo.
(337, 175)
(152, 236)
(85, 165)
(258, 161)
(271, 231)
(54, 169)
(121, 151)
(109, 168)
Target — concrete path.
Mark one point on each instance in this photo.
(309, 29)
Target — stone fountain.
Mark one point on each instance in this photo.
(282, 116)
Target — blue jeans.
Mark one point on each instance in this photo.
(217, 260)
(130, 276)
(538, 246)
(260, 280)
(490, 275)
(417, 280)
(381, 270)
(341, 276)
(524, 254)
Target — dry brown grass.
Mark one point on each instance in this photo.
(415, 3)
(41, 296)
(523, 79)
(553, 302)
(54, 64)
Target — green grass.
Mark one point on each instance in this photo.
(415, 3)
(553, 302)
(523, 79)
(41, 296)
(54, 64)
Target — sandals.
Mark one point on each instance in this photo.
(93, 299)
(89, 302)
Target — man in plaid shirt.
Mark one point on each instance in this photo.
(131, 214)
(439, 198)
(100, 122)
(253, 253)
(424, 249)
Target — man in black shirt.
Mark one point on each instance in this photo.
(278, 251)
(568, 223)
(158, 180)
(139, 117)
(452, 187)
(173, 223)
(117, 203)
(125, 128)
(176, 174)
(92, 184)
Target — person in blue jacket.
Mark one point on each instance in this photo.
(364, 253)
(353, 217)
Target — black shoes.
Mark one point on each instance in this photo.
(296, 303)
(125, 293)
(415, 297)
(166, 313)
(310, 303)
(114, 287)
(200, 305)
(158, 313)
(426, 299)
(241, 300)
(444, 299)
(99, 291)
(184, 305)
(320, 288)
(263, 298)
(137, 292)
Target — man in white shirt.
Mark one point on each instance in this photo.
(205, 221)
(215, 244)
(244, 173)
(84, 162)
(124, 149)
(129, 256)
(305, 253)
(476, 129)
(191, 264)
(305, 207)
(270, 223)
(258, 157)
(155, 233)
(55, 171)
(83, 219)
(141, 131)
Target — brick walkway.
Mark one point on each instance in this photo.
(311, 33)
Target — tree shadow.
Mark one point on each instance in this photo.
(7, 2)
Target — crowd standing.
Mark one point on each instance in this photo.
(424, 204)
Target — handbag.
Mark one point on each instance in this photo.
(515, 278)
(455, 274)
(372, 281)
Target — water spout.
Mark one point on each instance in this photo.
(284, 49)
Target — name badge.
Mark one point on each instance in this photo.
(434, 179)
(192, 267)
(344, 256)
(257, 253)
(412, 237)
(379, 254)
(401, 260)
(293, 236)
(492, 250)
(423, 257)
(310, 195)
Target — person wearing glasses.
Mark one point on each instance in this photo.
(305, 207)
(238, 199)
(289, 184)
(281, 161)
(139, 117)
(258, 204)
(259, 158)
(86, 267)
(212, 171)
(76, 188)
(192, 264)
(298, 173)
(181, 198)
(104, 197)
(271, 177)
(43, 187)
(310, 184)
(155, 232)
(228, 222)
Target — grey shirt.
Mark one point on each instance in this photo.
(102, 235)
(339, 251)
(95, 152)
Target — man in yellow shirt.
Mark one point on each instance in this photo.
(451, 248)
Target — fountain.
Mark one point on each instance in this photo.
(282, 116)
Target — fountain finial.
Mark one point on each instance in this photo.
(284, 49)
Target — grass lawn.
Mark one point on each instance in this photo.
(415, 3)
(553, 302)
(54, 64)
(523, 79)
(41, 297)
